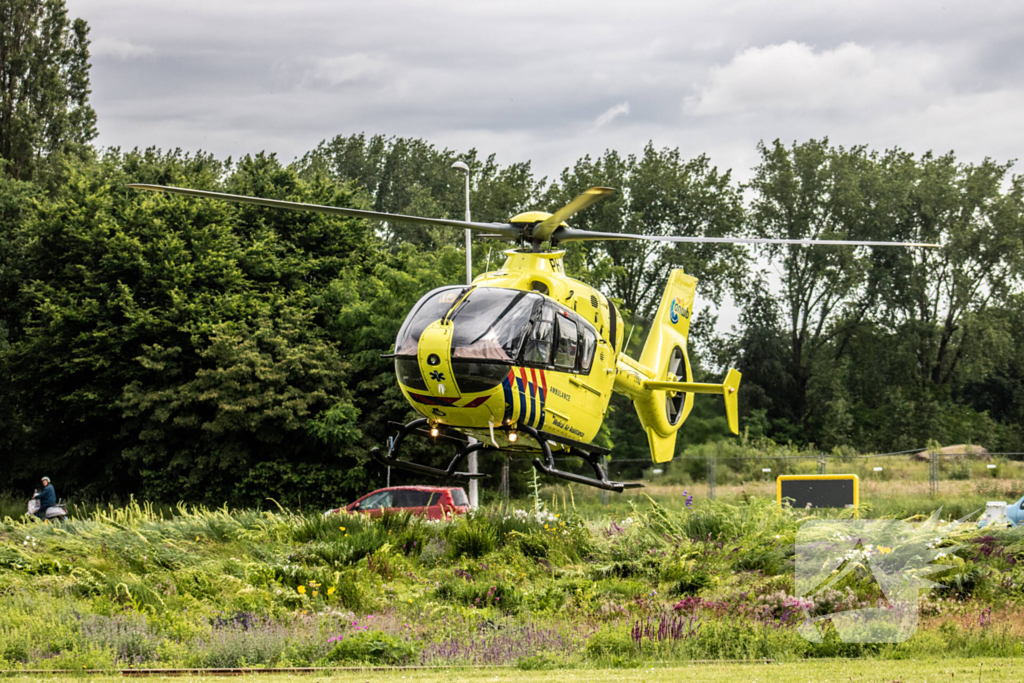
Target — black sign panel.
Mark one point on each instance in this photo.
(831, 492)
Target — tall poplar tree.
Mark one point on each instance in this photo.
(44, 85)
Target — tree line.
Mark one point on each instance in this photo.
(185, 349)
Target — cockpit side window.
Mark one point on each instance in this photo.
(568, 344)
(587, 351)
(540, 342)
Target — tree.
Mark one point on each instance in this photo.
(814, 191)
(411, 176)
(939, 296)
(44, 85)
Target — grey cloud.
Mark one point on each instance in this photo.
(529, 79)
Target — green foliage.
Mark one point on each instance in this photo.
(660, 193)
(371, 648)
(45, 115)
(472, 536)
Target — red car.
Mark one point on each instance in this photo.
(433, 502)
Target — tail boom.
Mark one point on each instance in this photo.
(661, 383)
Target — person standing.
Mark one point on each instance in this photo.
(47, 498)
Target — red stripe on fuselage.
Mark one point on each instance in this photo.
(479, 400)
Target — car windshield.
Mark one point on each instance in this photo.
(459, 497)
(491, 324)
(427, 310)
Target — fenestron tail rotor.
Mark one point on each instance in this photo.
(549, 229)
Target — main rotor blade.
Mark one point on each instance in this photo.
(570, 235)
(505, 230)
(542, 231)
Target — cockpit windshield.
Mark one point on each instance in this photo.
(494, 328)
(492, 323)
(489, 325)
(429, 309)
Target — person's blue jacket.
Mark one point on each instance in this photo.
(47, 497)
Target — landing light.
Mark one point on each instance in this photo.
(512, 437)
(434, 431)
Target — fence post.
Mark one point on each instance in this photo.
(822, 463)
(391, 443)
(711, 477)
(504, 488)
(607, 468)
(933, 470)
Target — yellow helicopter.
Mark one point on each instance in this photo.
(526, 358)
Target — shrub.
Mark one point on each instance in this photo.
(480, 594)
(372, 647)
(693, 584)
(471, 537)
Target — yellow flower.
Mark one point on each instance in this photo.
(330, 591)
(315, 594)
(342, 528)
(545, 526)
(301, 589)
(197, 538)
(410, 601)
(884, 550)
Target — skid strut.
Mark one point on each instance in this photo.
(390, 460)
(547, 466)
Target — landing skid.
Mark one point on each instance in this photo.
(451, 473)
(545, 464)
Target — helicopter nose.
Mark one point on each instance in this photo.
(434, 356)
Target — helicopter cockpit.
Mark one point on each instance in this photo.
(496, 328)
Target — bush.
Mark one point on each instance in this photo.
(471, 537)
(500, 595)
(693, 584)
(372, 647)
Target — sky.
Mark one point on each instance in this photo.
(550, 81)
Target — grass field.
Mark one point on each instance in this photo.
(987, 670)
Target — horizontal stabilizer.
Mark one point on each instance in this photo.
(728, 389)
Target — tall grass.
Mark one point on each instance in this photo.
(194, 586)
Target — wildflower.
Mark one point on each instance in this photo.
(342, 528)
(330, 591)
(315, 593)
(301, 589)
(884, 550)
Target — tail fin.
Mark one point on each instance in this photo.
(666, 400)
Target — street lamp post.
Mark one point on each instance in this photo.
(460, 166)
(474, 499)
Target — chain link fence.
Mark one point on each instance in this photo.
(914, 472)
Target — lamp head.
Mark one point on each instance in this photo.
(460, 166)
